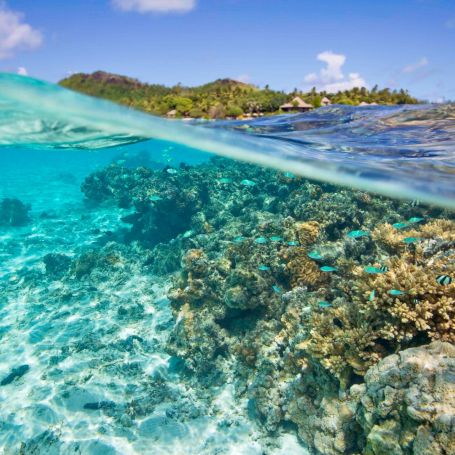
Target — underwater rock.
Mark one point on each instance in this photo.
(46, 442)
(408, 402)
(13, 212)
(56, 264)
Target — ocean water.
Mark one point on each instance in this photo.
(146, 268)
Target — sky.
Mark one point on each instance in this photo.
(287, 44)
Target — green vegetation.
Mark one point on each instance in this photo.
(224, 98)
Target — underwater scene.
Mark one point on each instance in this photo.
(275, 286)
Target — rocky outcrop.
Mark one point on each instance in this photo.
(407, 404)
(13, 212)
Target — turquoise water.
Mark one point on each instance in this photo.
(97, 280)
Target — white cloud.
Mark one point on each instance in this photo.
(157, 6)
(16, 34)
(22, 71)
(331, 78)
(415, 66)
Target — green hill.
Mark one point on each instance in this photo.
(219, 99)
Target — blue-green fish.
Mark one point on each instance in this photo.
(324, 304)
(293, 243)
(315, 255)
(396, 292)
(225, 180)
(276, 238)
(289, 175)
(263, 268)
(415, 219)
(373, 270)
(247, 182)
(276, 289)
(155, 198)
(328, 268)
(372, 295)
(260, 240)
(444, 280)
(357, 234)
(409, 240)
(400, 225)
(239, 239)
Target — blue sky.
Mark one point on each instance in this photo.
(284, 43)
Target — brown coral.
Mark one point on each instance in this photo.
(301, 270)
(307, 232)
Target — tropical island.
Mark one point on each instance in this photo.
(223, 98)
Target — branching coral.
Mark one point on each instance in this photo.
(383, 312)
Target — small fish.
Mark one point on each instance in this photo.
(400, 225)
(415, 203)
(16, 373)
(247, 182)
(263, 268)
(415, 301)
(444, 280)
(409, 240)
(276, 238)
(239, 239)
(324, 304)
(372, 295)
(155, 198)
(188, 234)
(384, 268)
(99, 405)
(276, 289)
(171, 171)
(293, 243)
(373, 270)
(396, 292)
(289, 175)
(357, 234)
(225, 180)
(315, 255)
(415, 219)
(328, 268)
(260, 240)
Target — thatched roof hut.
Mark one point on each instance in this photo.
(325, 101)
(297, 104)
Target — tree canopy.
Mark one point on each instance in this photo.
(223, 98)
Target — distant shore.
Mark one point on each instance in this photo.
(223, 98)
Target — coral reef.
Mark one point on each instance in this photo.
(298, 292)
